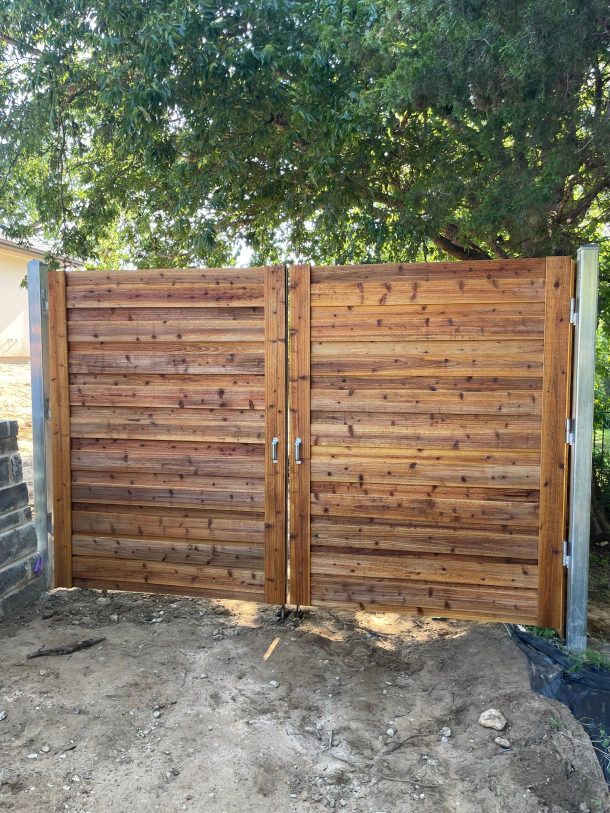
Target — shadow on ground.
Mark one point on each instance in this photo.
(178, 709)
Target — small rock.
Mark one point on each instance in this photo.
(492, 718)
(603, 544)
(445, 733)
(114, 617)
(175, 772)
(156, 713)
(45, 749)
(32, 756)
(2, 715)
(103, 600)
(76, 623)
(76, 710)
(203, 676)
(502, 742)
(48, 614)
(390, 732)
(274, 683)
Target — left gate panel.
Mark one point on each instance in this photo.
(167, 390)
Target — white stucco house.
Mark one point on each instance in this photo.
(14, 326)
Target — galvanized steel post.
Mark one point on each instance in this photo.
(38, 299)
(582, 446)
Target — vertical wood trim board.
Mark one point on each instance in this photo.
(275, 426)
(60, 429)
(553, 448)
(300, 427)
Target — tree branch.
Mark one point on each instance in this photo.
(459, 252)
(583, 204)
(21, 45)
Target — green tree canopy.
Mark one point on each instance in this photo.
(341, 130)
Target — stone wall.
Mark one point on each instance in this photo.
(19, 581)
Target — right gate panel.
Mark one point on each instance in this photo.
(430, 401)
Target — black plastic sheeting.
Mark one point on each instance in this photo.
(585, 691)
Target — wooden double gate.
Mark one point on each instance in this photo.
(416, 411)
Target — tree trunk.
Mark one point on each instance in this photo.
(600, 524)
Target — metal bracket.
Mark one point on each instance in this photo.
(573, 312)
(566, 554)
(570, 429)
(50, 526)
(47, 409)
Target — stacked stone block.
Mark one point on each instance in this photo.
(19, 583)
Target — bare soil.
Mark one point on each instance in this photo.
(175, 710)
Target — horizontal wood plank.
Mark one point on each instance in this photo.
(420, 431)
(170, 550)
(179, 480)
(190, 316)
(426, 510)
(447, 569)
(214, 425)
(521, 358)
(168, 330)
(426, 598)
(387, 535)
(230, 358)
(219, 292)
(162, 573)
(520, 268)
(428, 322)
(228, 392)
(167, 277)
(429, 291)
(214, 499)
(430, 381)
(167, 522)
(495, 402)
(239, 592)
(212, 460)
(446, 468)
(455, 491)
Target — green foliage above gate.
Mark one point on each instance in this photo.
(164, 132)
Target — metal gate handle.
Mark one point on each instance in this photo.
(297, 451)
(274, 443)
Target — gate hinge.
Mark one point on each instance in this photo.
(566, 553)
(570, 431)
(50, 526)
(573, 312)
(47, 409)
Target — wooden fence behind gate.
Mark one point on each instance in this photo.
(430, 401)
(167, 389)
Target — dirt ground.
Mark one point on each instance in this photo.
(176, 710)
